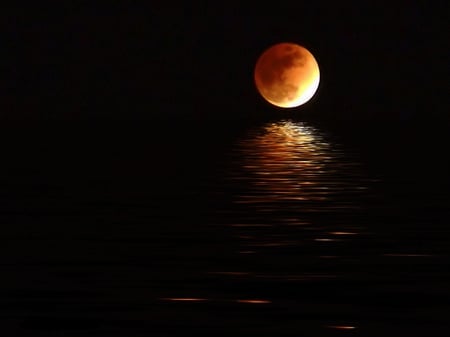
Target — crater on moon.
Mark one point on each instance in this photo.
(287, 75)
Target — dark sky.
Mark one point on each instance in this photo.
(135, 61)
(117, 116)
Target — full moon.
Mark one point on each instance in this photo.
(287, 75)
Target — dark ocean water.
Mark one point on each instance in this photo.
(282, 229)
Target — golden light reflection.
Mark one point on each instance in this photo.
(288, 173)
(342, 327)
(292, 161)
(288, 160)
(254, 301)
(343, 233)
(184, 299)
(324, 240)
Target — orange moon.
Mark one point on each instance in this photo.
(287, 75)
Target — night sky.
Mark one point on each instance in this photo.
(119, 113)
(149, 78)
(380, 62)
(95, 90)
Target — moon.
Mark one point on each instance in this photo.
(287, 75)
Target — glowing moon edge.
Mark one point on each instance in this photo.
(293, 62)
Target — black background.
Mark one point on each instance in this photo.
(101, 84)
(378, 61)
(111, 107)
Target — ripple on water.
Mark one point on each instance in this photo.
(295, 186)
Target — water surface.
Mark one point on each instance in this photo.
(285, 232)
